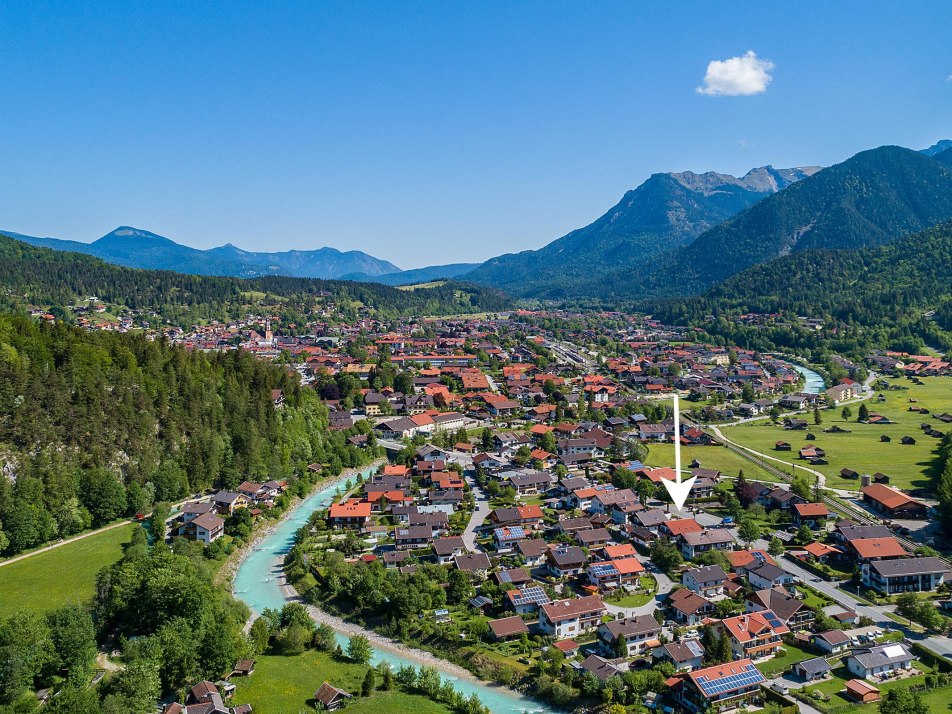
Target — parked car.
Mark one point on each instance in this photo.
(780, 687)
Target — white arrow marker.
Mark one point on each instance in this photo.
(678, 489)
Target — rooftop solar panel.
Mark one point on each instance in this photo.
(534, 595)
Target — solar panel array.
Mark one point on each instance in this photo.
(511, 533)
(604, 570)
(772, 619)
(750, 675)
(531, 596)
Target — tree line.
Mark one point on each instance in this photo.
(43, 277)
(95, 426)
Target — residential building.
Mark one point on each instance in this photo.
(205, 528)
(686, 655)
(874, 662)
(694, 544)
(754, 635)
(812, 670)
(707, 581)
(813, 515)
(629, 636)
(352, 513)
(566, 618)
(723, 686)
(904, 575)
(768, 576)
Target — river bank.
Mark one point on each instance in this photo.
(259, 582)
(237, 559)
(343, 627)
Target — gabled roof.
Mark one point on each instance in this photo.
(887, 496)
(820, 550)
(508, 626)
(780, 601)
(687, 602)
(833, 637)
(631, 626)
(878, 547)
(814, 666)
(570, 609)
(768, 572)
(743, 558)
(714, 682)
(909, 566)
(707, 574)
(745, 628)
(328, 694)
(882, 655)
(811, 510)
(683, 651)
(678, 526)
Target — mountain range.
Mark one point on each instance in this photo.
(667, 211)
(676, 234)
(136, 248)
(868, 200)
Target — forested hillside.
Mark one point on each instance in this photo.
(667, 211)
(39, 276)
(99, 425)
(898, 294)
(870, 199)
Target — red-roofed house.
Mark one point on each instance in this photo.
(352, 513)
(721, 687)
(754, 635)
(813, 515)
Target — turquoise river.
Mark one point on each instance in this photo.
(257, 583)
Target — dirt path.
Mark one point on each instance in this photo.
(58, 544)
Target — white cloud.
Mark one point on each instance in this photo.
(737, 76)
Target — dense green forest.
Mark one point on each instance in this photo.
(44, 277)
(944, 488)
(158, 605)
(99, 425)
(898, 295)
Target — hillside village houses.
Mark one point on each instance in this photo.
(522, 469)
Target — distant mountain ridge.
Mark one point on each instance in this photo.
(668, 210)
(415, 275)
(937, 148)
(137, 248)
(869, 200)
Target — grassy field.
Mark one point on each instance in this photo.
(421, 286)
(777, 665)
(908, 466)
(287, 684)
(836, 686)
(62, 576)
(710, 457)
(650, 587)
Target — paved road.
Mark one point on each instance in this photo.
(478, 516)
(940, 644)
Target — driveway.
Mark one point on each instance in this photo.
(478, 516)
(665, 585)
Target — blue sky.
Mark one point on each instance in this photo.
(433, 132)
